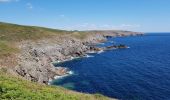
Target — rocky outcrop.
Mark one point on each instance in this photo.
(121, 46)
(35, 60)
(36, 57)
(61, 71)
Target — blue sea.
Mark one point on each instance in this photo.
(141, 72)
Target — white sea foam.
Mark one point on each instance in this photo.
(68, 59)
(91, 52)
(72, 58)
(58, 61)
(101, 43)
(49, 81)
(68, 74)
(59, 77)
(112, 42)
(88, 56)
(101, 51)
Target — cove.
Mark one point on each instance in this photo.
(141, 72)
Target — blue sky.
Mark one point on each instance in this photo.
(134, 15)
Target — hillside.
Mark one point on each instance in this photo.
(12, 33)
(15, 88)
(30, 51)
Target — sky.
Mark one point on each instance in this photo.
(132, 15)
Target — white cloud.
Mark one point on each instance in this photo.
(29, 6)
(88, 26)
(130, 25)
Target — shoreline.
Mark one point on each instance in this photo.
(69, 72)
(36, 61)
(103, 49)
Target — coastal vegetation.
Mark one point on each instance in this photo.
(14, 32)
(28, 51)
(15, 88)
(6, 48)
(10, 34)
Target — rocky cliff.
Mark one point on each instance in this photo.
(40, 47)
(35, 60)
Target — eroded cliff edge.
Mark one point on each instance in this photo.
(35, 57)
(35, 60)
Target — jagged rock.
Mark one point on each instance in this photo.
(35, 59)
(111, 47)
(61, 71)
(121, 46)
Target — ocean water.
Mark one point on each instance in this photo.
(141, 72)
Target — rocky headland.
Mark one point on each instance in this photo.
(35, 59)
(35, 62)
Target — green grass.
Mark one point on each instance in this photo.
(13, 32)
(7, 48)
(13, 88)
(79, 34)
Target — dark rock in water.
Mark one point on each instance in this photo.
(111, 47)
(108, 36)
(98, 49)
(122, 46)
(93, 48)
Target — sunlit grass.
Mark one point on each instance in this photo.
(13, 88)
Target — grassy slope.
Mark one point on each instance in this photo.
(6, 48)
(13, 88)
(12, 33)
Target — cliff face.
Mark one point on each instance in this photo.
(40, 47)
(35, 60)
